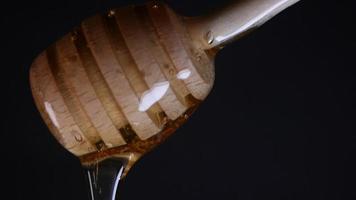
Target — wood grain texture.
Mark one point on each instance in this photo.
(141, 50)
(181, 55)
(89, 85)
(53, 109)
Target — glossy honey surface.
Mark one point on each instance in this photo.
(121, 82)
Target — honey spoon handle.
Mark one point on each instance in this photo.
(233, 21)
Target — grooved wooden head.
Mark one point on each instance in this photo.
(121, 82)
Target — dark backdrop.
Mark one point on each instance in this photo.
(278, 124)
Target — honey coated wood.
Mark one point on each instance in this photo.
(123, 81)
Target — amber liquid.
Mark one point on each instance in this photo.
(103, 178)
(105, 168)
(137, 147)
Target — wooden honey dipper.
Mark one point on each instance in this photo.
(122, 82)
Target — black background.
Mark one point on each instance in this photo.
(278, 124)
